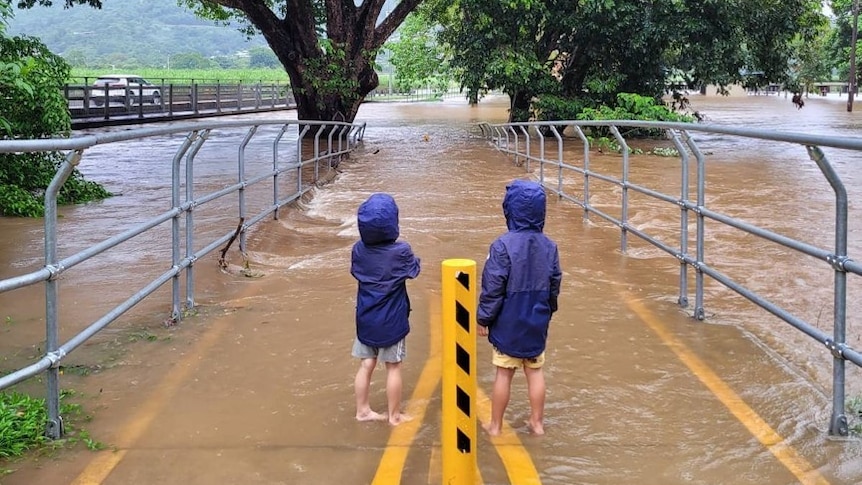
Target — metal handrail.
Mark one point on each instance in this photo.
(506, 138)
(344, 137)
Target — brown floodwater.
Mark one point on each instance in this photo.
(257, 388)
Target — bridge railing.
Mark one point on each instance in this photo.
(169, 99)
(560, 172)
(315, 148)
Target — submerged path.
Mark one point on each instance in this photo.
(257, 388)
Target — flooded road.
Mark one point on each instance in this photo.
(258, 388)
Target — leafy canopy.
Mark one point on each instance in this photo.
(33, 106)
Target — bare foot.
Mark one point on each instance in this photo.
(493, 430)
(399, 418)
(537, 428)
(370, 416)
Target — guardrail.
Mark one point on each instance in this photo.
(170, 100)
(318, 147)
(519, 140)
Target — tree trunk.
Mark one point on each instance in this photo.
(519, 108)
(330, 76)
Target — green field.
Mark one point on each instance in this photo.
(191, 76)
(187, 76)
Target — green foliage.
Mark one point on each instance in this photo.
(418, 59)
(31, 97)
(665, 152)
(22, 423)
(33, 106)
(550, 107)
(262, 57)
(604, 47)
(24, 178)
(854, 411)
(631, 106)
(23, 420)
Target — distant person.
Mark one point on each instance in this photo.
(520, 285)
(797, 100)
(382, 265)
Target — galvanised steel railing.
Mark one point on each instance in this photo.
(518, 140)
(327, 142)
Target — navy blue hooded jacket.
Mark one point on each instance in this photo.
(381, 265)
(521, 278)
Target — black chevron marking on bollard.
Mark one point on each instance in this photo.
(464, 444)
(462, 316)
(464, 279)
(462, 358)
(463, 401)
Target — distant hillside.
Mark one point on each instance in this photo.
(146, 31)
(131, 32)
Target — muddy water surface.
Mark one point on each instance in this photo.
(269, 398)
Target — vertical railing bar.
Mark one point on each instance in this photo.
(838, 422)
(299, 137)
(241, 180)
(275, 169)
(624, 216)
(586, 195)
(175, 222)
(683, 220)
(526, 145)
(54, 427)
(541, 156)
(329, 147)
(190, 218)
(317, 153)
(699, 312)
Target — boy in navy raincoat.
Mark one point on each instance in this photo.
(520, 285)
(381, 264)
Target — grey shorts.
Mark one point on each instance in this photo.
(393, 353)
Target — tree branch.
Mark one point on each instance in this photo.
(393, 20)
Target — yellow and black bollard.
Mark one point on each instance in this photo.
(459, 372)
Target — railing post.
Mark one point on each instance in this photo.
(458, 430)
(195, 97)
(624, 214)
(699, 312)
(586, 142)
(683, 221)
(190, 219)
(54, 428)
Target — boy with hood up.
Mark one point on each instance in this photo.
(520, 285)
(381, 264)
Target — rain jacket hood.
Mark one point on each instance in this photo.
(524, 206)
(378, 219)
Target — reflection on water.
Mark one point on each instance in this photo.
(621, 407)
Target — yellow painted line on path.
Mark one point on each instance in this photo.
(519, 466)
(102, 466)
(794, 462)
(401, 438)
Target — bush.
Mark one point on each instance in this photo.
(25, 177)
(32, 106)
(631, 106)
(552, 108)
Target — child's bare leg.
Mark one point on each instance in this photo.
(499, 400)
(362, 385)
(536, 392)
(393, 393)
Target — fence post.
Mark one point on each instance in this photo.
(459, 372)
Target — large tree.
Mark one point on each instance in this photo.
(327, 47)
(598, 48)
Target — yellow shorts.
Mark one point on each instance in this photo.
(508, 362)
